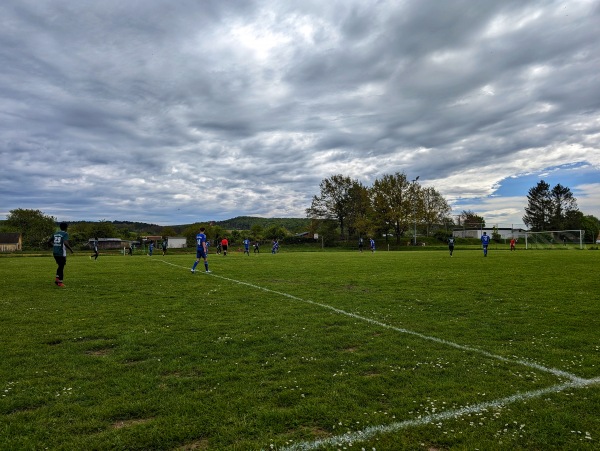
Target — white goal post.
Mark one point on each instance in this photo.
(555, 239)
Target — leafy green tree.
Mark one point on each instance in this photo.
(215, 232)
(34, 226)
(125, 233)
(551, 209)
(334, 201)
(361, 211)
(327, 229)
(275, 232)
(212, 232)
(495, 234)
(245, 234)
(564, 208)
(87, 230)
(435, 208)
(395, 201)
(190, 233)
(235, 237)
(470, 220)
(537, 212)
(591, 225)
(168, 231)
(256, 231)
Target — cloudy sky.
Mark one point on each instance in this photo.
(176, 112)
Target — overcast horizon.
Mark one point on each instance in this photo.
(179, 112)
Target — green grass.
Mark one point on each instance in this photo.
(277, 351)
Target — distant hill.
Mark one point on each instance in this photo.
(247, 222)
(140, 227)
(294, 225)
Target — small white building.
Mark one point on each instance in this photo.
(10, 242)
(176, 242)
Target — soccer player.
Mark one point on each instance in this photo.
(372, 244)
(201, 251)
(451, 245)
(164, 246)
(60, 244)
(151, 248)
(95, 247)
(513, 243)
(256, 248)
(360, 244)
(224, 245)
(247, 247)
(485, 241)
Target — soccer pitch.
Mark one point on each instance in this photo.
(299, 351)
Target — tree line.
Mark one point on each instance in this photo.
(551, 209)
(393, 206)
(36, 227)
(396, 206)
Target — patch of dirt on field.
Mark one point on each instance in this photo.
(127, 423)
(198, 444)
(99, 352)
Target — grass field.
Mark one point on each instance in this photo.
(299, 351)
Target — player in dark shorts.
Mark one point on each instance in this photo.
(95, 247)
(60, 244)
(224, 245)
(201, 251)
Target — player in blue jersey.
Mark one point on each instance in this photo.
(60, 244)
(201, 251)
(372, 244)
(247, 247)
(485, 241)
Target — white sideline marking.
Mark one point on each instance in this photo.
(367, 433)
(555, 371)
(371, 431)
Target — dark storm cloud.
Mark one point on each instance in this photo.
(177, 112)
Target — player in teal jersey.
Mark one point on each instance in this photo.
(60, 244)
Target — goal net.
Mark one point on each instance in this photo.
(556, 239)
